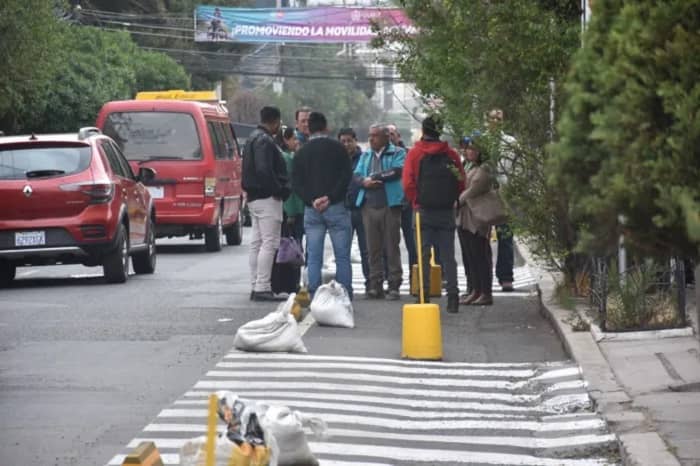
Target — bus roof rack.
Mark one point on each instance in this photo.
(178, 94)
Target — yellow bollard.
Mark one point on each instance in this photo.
(146, 454)
(422, 335)
(210, 458)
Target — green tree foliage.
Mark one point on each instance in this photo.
(630, 132)
(59, 74)
(157, 72)
(472, 56)
(345, 102)
(27, 35)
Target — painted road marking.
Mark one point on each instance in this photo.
(382, 411)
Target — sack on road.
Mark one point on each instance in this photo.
(331, 306)
(287, 427)
(245, 443)
(276, 332)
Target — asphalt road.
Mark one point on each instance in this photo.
(84, 366)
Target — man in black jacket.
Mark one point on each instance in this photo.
(321, 175)
(266, 184)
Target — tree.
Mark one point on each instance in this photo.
(345, 102)
(472, 56)
(630, 136)
(157, 71)
(27, 34)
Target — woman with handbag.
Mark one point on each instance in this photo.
(474, 231)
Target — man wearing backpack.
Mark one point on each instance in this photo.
(433, 178)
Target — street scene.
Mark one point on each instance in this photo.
(349, 233)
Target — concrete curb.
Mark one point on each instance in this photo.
(639, 444)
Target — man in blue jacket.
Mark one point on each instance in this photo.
(381, 196)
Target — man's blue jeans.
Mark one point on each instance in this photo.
(336, 221)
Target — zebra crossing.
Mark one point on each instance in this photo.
(523, 280)
(396, 412)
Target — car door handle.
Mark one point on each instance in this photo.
(225, 179)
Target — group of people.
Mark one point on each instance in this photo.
(303, 181)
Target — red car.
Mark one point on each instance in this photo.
(73, 199)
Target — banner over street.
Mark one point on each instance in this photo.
(320, 25)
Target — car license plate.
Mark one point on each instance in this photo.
(157, 192)
(30, 238)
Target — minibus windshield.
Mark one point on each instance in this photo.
(154, 135)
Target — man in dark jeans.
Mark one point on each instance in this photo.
(504, 167)
(348, 138)
(321, 175)
(437, 223)
(409, 238)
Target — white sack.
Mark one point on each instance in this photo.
(331, 306)
(287, 427)
(276, 332)
(193, 452)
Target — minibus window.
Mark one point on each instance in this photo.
(159, 135)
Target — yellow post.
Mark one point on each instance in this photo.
(210, 458)
(422, 336)
(419, 245)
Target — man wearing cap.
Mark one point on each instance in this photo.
(437, 223)
(504, 167)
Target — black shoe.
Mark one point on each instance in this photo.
(266, 296)
(452, 304)
(375, 294)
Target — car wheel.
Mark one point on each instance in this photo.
(234, 234)
(213, 236)
(7, 273)
(145, 261)
(116, 263)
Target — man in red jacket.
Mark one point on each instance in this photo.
(433, 178)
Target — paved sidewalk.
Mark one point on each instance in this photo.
(647, 389)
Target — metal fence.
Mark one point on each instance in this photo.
(646, 295)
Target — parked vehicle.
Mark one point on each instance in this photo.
(193, 147)
(73, 199)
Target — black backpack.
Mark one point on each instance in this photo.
(438, 184)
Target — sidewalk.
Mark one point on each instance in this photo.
(647, 389)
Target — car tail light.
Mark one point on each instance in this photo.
(209, 186)
(93, 231)
(99, 192)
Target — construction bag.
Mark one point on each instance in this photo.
(435, 272)
(287, 427)
(331, 306)
(438, 181)
(226, 453)
(244, 443)
(276, 332)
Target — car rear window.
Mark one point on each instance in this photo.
(40, 162)
(154, 135)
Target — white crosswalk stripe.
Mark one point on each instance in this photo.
(396, 412)
(523, 281)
